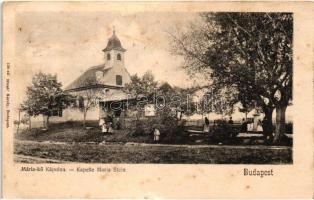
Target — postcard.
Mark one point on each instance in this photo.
(157, 99)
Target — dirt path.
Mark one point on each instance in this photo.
(31, 159)
(156, 145)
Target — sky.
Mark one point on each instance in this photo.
(68, 43)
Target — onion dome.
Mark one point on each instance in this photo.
(114, 44)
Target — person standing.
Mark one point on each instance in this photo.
(259, 126)
(102, 125)
(109, 121)
(156, 135)
(206, 126)
(250, 125)
(230, 121)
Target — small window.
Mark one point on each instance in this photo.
(119, 80)
(108, 56)
(119, 56)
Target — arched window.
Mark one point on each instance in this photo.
(119, 80)
(108, 56)
(119, 56)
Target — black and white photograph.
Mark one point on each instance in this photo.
(154, 87)
(157, 100)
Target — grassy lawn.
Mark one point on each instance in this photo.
(117, 153)
(70, 142)
(74, 132)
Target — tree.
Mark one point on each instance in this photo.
(249, 51)
(247, 103)
(177, 99)
(44, 96)
(18, 121)
(221, 100)
(166, 103)
(28, 107)
(89, 98)
(142, 86)
(188, 105)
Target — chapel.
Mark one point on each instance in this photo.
(110, 78)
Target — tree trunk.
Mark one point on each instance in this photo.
(84, 118)
(267, 123)
(44, 121)
(47, 122)
(280, 124)
(29, 123)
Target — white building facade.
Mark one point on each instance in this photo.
(108, 79)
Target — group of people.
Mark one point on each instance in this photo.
(106, 124)
(246, 125)
(206, 125)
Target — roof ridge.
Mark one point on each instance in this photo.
(88, 74)
(96, 66)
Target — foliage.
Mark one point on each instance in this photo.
(142, 86)
(178, 99)
(219, 100)
(44, 95)
(146, 88)
(223, 132)
(251, 52)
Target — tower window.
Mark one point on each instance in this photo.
(119, 56)
(108, 56)
(119, 80)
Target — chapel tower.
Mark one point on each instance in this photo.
(114, 52)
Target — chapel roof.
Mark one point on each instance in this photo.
(114, 43)
(88, 78)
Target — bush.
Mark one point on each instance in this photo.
(145, 126)
(165, 122)
(222, 132)
(142, 127)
